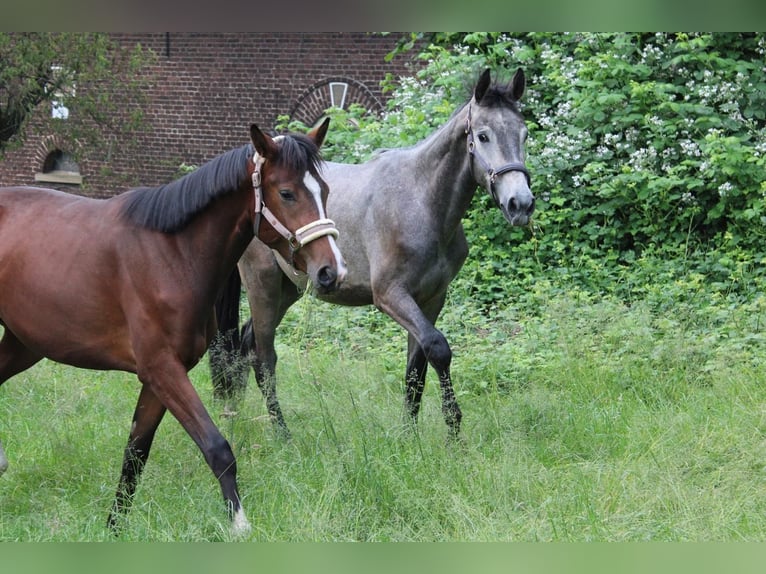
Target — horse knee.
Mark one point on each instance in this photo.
(438, 352)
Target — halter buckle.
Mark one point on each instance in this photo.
(294, 243)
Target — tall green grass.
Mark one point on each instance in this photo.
(584, 419)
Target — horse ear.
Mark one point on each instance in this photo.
(517, 85)
(481, 85)
(318, 134)
(262, 142)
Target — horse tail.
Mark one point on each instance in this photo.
(227, 306)
(247, 338)
(228, 370)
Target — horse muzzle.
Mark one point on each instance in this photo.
(519, 208)
(327, 276)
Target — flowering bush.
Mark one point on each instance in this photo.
(638, 144)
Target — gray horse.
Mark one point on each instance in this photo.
(399, 216)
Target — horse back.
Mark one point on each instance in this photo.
(41, 220)
(390, 229)
(59, 274)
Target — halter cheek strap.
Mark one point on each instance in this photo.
(492, 173)
(302, 236)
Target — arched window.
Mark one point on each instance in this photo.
(333, 92)
(338, 91)
(59, 167)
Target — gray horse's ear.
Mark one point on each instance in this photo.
(318, 134)
(481, 85)
(517, 85)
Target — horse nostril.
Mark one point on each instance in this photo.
(327, 276)
(516, 206)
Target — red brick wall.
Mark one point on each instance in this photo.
(205, 91)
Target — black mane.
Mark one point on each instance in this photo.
(299, 153)
(170, 207)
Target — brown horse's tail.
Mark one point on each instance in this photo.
(228, 369)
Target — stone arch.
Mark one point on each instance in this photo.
(311, 105)
(50, 148)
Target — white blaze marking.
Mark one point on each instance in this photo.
(313, 185)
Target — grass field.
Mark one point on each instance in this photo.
(584, 419)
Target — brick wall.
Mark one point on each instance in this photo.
(205, 91)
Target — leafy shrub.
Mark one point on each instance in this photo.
(640, 145)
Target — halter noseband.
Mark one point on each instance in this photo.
(491, 172)
(302, 236)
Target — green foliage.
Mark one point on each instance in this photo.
(585, 418)
(640, 145)
(95, 79)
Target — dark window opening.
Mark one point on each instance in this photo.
(60, 167)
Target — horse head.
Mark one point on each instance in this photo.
(496, 138)
(290, 198)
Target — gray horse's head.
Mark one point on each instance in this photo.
(496, 139)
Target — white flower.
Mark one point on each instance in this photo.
(688, 198)
(724, 189)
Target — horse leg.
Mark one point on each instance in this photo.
(3, 460)
(417, 364)
(415, 378)
(263, 358)
(402, 308)
(147, 417)
(270, 294)
(14, 358)
(169, 382)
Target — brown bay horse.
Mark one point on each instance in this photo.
(129, 283)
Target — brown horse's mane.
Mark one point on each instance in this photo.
(170, 207)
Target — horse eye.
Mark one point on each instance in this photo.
(287, 195)
(484, 138)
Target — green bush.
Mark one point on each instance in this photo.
(640, 145)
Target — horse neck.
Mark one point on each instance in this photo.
(219, 238)
(444, 159)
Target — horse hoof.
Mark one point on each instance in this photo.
(240, 525)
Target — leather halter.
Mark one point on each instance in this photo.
(491, 172)
(302, 236)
